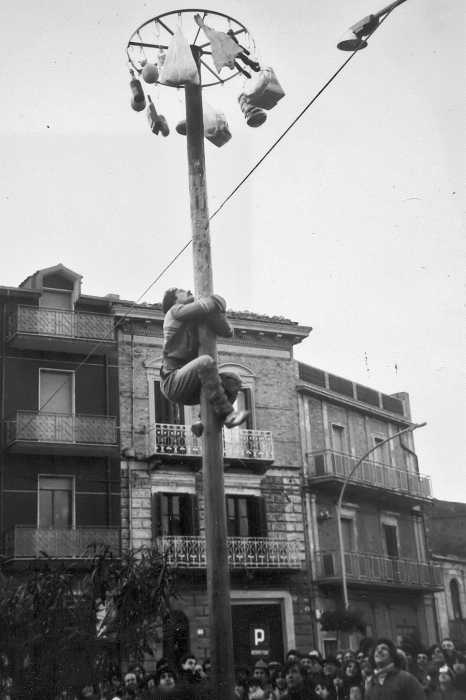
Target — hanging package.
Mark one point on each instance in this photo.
(263, 90)
(224, 48)
(216, 128)
(179, 67)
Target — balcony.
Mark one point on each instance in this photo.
(331, 468)
(31, 542)
(243, 552)
(57, 330)
(377, 571)
(34, 432)
(172, 443)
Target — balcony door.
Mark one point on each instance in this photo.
(56, 405)
(246, 516)
(55, 502)
(166, 411)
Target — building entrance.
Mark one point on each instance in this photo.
(257, 633)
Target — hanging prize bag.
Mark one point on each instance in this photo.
(179, 67)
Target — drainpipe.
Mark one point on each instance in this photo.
(307, 541)
(2, 411)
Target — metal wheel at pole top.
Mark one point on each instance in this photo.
(154, 36)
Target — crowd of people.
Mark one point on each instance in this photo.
(377, 670)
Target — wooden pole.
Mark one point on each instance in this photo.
(218, 572)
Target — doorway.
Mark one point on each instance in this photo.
(247, 617)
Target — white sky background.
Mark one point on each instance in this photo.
(352, 225)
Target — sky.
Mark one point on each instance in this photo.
(353, 224)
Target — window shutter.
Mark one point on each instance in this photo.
(156, 515)
(192, 507)
(257, 516)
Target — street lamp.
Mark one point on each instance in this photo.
(353, 38)
(340, 501)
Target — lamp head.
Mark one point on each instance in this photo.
(352, 39)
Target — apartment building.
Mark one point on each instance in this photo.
(390, 577)
(163, 493)
(59, 449)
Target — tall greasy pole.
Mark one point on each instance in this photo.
(218, 575)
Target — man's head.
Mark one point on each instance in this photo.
(176, 296)
(261, 672)
(330, 665)
(448, 645)
(131, 680)
(422, 660)
(293, 655)
(294, 675)
(164, 678)
(459, 663)
(188, 662)
(385, 653)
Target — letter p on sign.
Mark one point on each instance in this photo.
(259, 637)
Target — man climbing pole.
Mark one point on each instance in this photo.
(184, 373)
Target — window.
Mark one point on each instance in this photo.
(56, 391)
(243, 403)
(391, 540)
(455, 600)
(339, 438)
(166, 411)
(380, 454)
(55, 502)
(175, 514)
(246, 516)
(347, 528)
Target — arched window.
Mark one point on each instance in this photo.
(455, 599)
(175, 636)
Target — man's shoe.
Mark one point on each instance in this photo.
(197, 429)
(235, 418)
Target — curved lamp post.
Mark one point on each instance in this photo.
(353, 38)
(340, 501)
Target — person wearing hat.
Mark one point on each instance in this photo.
(389, 682)
(446, 689)
(262, 674)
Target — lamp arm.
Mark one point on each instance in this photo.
(388, 9)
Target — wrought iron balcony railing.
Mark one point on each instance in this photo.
(243, 552)
(166, 439)
(30, 426)
(337, 464)
(29, 542)
(372, 568)
(59, 322)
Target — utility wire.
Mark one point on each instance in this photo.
(345, 63)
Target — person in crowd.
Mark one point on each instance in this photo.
(139, 671)
(322, 689)
(339, 656)
(255, 691)
(293, 655)
(356, 693)
(459, 669)
(446, 686)
(131, 683)
(190, 671)
(349, 655)
(87, 692)
(360, 657)
(262, 674)
(165, 683)
(206, 669)
(315, 668)
(278, 682)
(330, 667)
(296, 685)
(404, 664)
(306, 662)
(389, 682)
(437, 661)
(242, 675)
(421, 664)
(184, 372)
(352, 671)
(340, 685)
